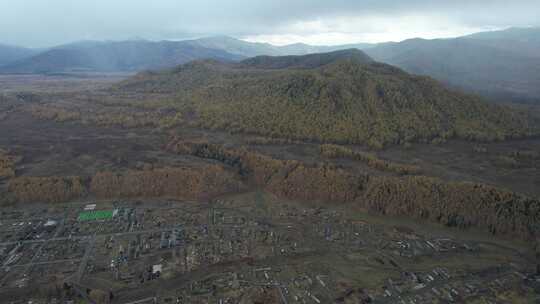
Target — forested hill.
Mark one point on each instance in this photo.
(305, 61)
(343, 100)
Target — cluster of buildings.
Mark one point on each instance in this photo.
(223, 252)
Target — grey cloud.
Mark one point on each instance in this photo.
(46, 22)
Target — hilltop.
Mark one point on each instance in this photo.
(306, 61)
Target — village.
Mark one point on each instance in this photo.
(228, 250)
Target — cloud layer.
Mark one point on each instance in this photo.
(43, 23)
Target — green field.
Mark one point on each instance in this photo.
(95, 215)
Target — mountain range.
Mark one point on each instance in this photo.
(501, 65)
(251, 49)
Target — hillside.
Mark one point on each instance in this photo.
(9, 54)
(345, 98)
(114, 57)
(502, 65)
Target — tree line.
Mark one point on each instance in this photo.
(371, 159)
(179, 182)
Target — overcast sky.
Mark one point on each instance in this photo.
(40, 23)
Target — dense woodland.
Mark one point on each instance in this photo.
(191, 183)
(455, 204)
(50, 189)
(179, 182)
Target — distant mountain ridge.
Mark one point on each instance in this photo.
(252, 49)
(138, 55)
(115, 56)
(502, 65)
